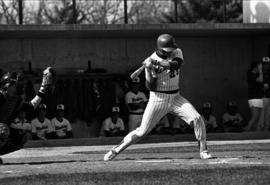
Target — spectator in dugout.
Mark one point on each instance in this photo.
(180, 127)
(209, 119)
(255, 95)
(60, 124)
(136, 103)
(41, 126)
(20, 128)
(113, 126)
(163, 127)
(232, 119)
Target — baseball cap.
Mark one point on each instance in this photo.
(232, 104)
(266, 60)
(42, 106)
(136, 80)
(207, 105)
(60, 107)
(115, 109)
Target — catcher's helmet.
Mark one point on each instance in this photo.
(166, 42)
(10, 79)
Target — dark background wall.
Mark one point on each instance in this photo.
(216, 56)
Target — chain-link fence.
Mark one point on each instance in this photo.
(119, 11)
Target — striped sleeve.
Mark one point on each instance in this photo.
(178, 54)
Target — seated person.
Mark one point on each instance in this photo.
(232, 120)
(41, 126)
(136, 102)
(114, 125)
(60, 124)
(209, 119)
(180, 127)
(163, 127)
(20, 128)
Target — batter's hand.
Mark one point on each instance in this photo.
(148, 63)
(155, 63)
(159, 69)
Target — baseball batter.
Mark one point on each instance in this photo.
(164, 97)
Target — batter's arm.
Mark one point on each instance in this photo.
(150, 81)
(173, 64)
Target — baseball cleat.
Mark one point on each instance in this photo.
(110, 155)
(205, 155)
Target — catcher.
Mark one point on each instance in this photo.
(11, 101)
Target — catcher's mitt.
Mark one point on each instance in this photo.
(48, 81)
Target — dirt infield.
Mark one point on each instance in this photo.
(234, 162)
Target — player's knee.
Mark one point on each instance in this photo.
(141, 132)
(199, 128)
(197, 120)
(134, 135)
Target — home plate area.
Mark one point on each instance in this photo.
(234, 162)
(224, 152)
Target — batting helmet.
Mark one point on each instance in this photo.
(166, 42)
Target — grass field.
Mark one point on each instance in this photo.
(238, 162)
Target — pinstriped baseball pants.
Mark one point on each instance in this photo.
(160, 104)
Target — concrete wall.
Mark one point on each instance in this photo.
(215, 64)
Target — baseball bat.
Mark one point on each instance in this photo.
(137, 72)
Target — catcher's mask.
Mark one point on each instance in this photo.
(12, 80)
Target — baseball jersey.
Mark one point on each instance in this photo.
(211, 121)
(41, 128)
(61, 128)
(109, 125)
(168, 80)
(131, 97)
(18, 124)
(228, 117)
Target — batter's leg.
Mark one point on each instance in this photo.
(189, 114)
(134, 122)
(154, 111)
